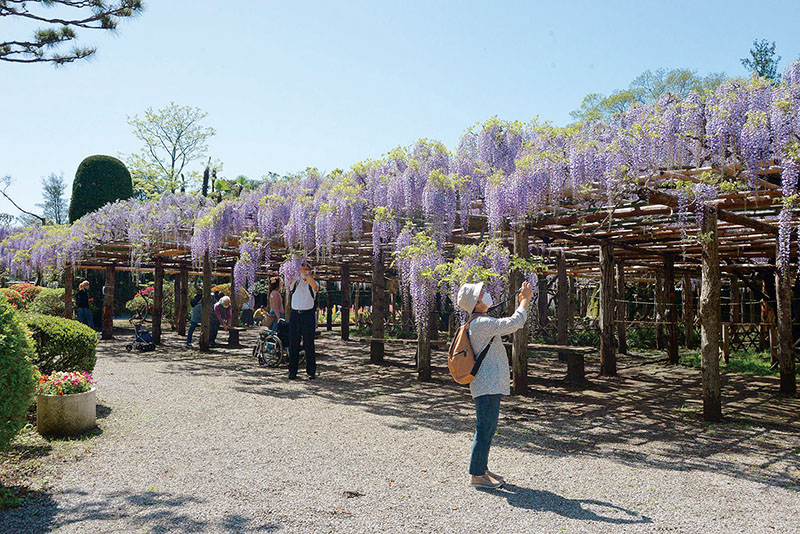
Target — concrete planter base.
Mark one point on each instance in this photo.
(66, 415)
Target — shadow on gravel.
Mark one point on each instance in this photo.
(581, 509)
(154, 511)
(649, 417)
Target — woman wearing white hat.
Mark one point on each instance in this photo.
(493, 378)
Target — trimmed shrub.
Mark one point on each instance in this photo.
(137, 303)
(226, 290)
(48, 302)
(16, 373)
(14, 298)
(62, 344)
(98, 181)
(28, 291)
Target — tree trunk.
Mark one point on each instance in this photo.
(608, 356)
(785, 349)
(709, 311)
(424, 354)
(158, 301)
(376, 349)
(108, 303)
(621, 307)
(671, 309)
(205, 334)
(345, 301)
(519, 340)
(405, 310)
(571, 307)
(688, 311)
(69, 281)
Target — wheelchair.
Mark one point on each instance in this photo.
(272, 348)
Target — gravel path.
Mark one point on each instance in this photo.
(212, 443)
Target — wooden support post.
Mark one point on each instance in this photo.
(783, 326)
(608, 356)
(235, 305)
(519, 339)
(376, 348)
(345, 301)
(670, 309)
(709, 311)
(205, 334)
(541, 301)
(736, 304)
(726, 341)
(69, 281)
(571, 307)
(621, 307)
(773, 344)
(562, 304)
(182, 301)
(108, 303)
(688, 311)
(658, 295)
(405, 310)
(176, 304)
(424, 354)
(329, 310)
(158, 301)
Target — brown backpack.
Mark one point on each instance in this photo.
(461, 358)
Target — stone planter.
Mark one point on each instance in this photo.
(66, 415)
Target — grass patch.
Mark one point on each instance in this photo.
(749, 362)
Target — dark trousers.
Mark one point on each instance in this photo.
(214, 328)
(302, 325)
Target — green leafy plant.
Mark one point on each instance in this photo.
(28, 291)
(14, 298)
(48, 302)
(61, 344)
(16, 373)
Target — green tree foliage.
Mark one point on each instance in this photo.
(762, 61)
(98, 181)
(16, 373)
(61, 344)
(54, 206)
(46, 45)
(647, 87)
(173, 138)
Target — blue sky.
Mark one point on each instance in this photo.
(295, 84)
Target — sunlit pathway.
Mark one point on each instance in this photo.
(215, 444)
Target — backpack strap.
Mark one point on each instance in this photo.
(480, 358)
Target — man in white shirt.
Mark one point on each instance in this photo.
(302, 322)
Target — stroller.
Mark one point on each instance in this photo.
(142, 340)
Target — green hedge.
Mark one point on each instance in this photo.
(62, 344)
(14, 297)
(49, 302)
(98, 181)
(16, 373)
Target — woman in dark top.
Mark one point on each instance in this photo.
(82, 305)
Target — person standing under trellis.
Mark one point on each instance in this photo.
(492, 380)
(302, 322)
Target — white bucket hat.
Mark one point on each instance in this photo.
(468, 296)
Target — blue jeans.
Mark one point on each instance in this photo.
(192, 327)
(275, 322)
(487, 410)
(85, 316)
